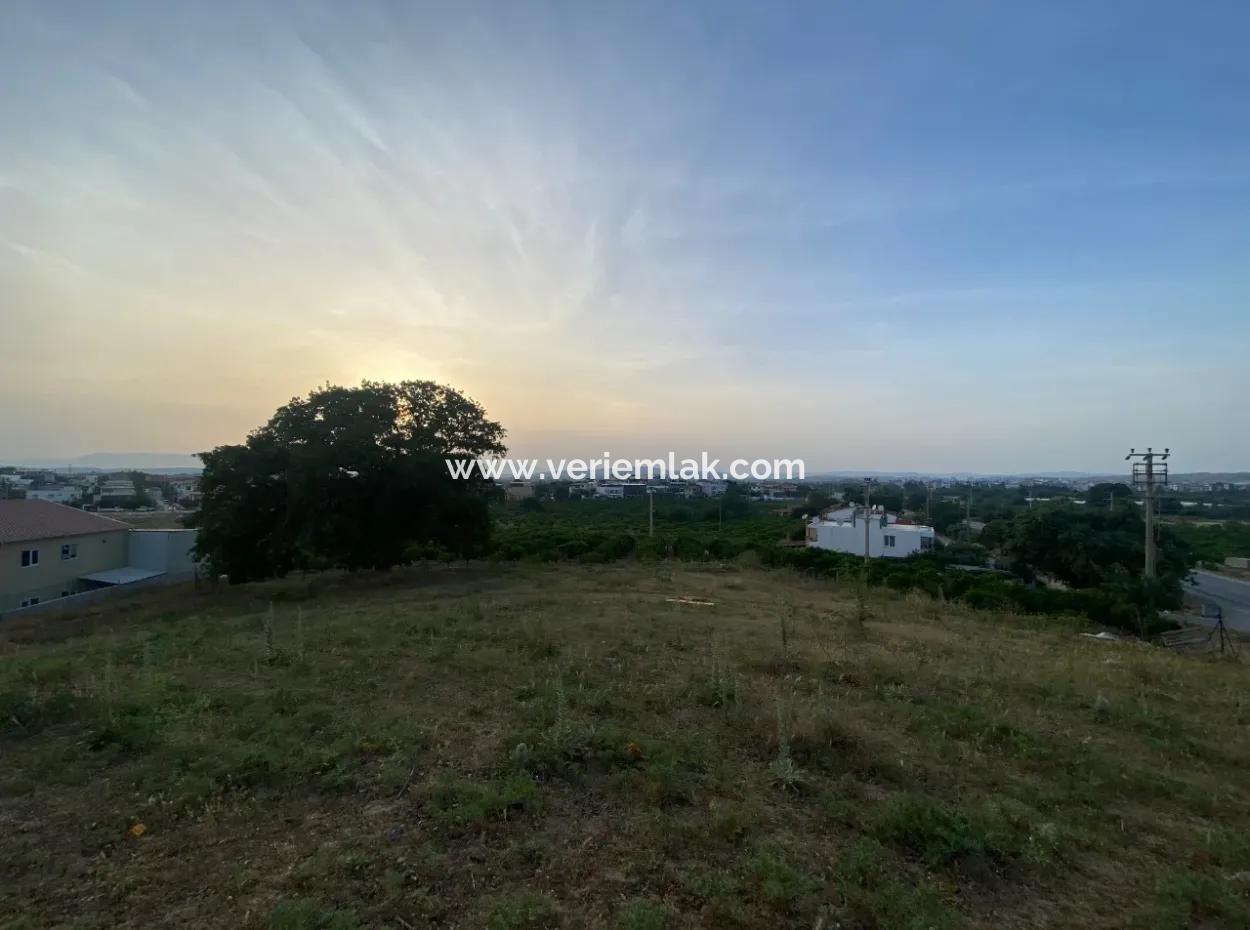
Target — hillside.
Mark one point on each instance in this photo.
(578, 747)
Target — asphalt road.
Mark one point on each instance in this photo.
(1231, 594)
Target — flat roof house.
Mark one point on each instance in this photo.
(842, 530)
(47, 548)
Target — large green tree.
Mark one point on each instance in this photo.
(349, 477)
(1108, 494)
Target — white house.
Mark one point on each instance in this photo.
(842, 530)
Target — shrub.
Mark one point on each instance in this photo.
(779, 883)
(933, 832)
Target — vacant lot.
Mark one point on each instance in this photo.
(570, 747)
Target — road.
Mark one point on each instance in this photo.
(1231, 594)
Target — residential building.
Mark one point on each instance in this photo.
(711, 488)
(113, 490)
(775, 492)
(518, 490)
(843, 530)
(185, 491)
(46, 548)
(619, 490)
(55, 494)
(50, 551)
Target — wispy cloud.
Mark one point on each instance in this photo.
(642, 223)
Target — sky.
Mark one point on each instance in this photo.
(987, 236)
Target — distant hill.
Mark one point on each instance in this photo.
(1195, 476)
(155, 462)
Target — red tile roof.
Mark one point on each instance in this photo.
(23, 520)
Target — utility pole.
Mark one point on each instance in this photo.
(650, 512)
(1150, 469)
(720, 513)
(928, 503)
(867, 515)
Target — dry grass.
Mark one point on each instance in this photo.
(521, 747)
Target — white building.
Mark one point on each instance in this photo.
(58, 495)
(115, 489)
(842, 530)
(620, 490)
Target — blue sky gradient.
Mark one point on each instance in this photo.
(960, 236)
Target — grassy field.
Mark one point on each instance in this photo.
(522, 747)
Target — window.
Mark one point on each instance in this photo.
(69, 551)
(889, 542)
(30, 557)
(30, 601)
(926, 543)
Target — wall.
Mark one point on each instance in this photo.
(97, 552)
(95, 595)
(162, 550)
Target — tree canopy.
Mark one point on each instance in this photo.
(1091, 548)
(349, 477)
(1108, 494)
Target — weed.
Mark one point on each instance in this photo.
(720, 687)
(25, 714)
(969, 722)
(523, 912)
(641, 915)
(782, 770)
(308, 915)
(467, 803)
(869, 883)
(784, 887)
(733, 820)
(1191, 899)
(933, 832)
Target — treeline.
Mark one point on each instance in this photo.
(1213, 544)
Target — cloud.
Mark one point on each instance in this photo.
(654, 227)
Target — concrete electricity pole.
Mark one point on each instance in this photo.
(650, 512)
(1149, 470)
(867, 514)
